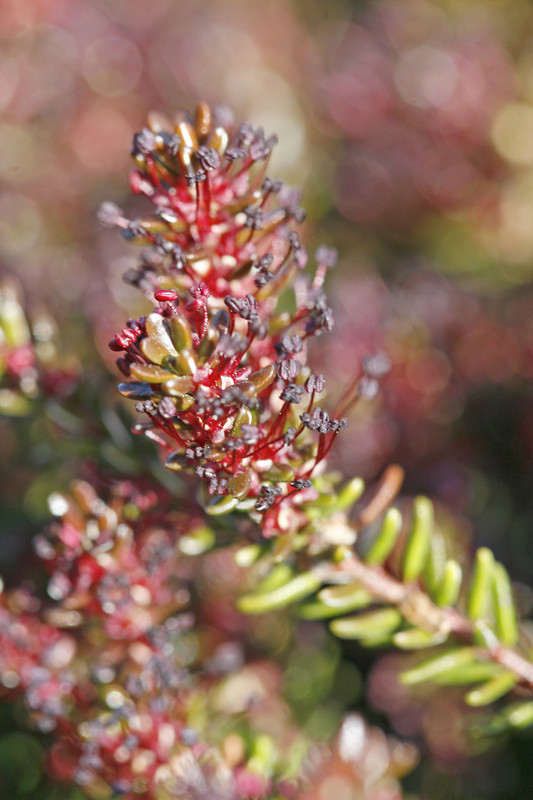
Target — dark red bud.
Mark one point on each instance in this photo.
(130, 334)
(115, 345)
(122, 341)
(165, 295)
(123, 366)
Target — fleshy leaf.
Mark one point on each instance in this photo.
(384, 542)
(418, 544)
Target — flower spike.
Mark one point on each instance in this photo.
(219, 373)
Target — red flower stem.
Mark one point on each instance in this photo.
(168, 429)
(153, 172)
(247, 163)
(158, 439)
(198, 194)
(207, 196)
(325, 449)
(280, 419)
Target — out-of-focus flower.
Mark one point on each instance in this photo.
(29, 363)
(109, 663)
(346, 773)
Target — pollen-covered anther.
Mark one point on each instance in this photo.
(301, 483)
(291, 393)
(267, 497)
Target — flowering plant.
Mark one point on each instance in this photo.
(141, 662)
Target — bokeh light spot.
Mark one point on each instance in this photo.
(112, 65)
(426, 77)
(20, 224)
(99, 136)
(512, 133)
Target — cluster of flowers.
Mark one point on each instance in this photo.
(358, 752)
(219, 368)
(96, 655)
(110, 664)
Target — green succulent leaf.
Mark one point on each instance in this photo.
(384, 542)
(504, 607)
(221, 505)
(492, 690)
(447, 591)
(439, 665)
(481, 584)
(378, 625)
(296, 589)
(418, 639)
(419, 542)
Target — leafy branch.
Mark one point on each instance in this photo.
(397, 585)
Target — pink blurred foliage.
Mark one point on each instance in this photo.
(413, 96)
(437, 715)
(76, 78)
(445, 344)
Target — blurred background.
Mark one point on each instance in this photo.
(409, 126)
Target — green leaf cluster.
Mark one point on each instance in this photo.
(399, 586)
